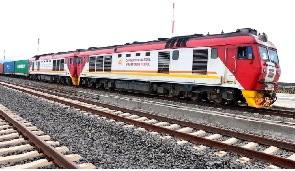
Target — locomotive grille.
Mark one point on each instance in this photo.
(62, 65)
(33, 66)
(163, 62)
(200, 59)
(38, 66)
(91, 64)
(99, 63)
(107, 63)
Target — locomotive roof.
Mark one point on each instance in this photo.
(54, 55)
(161, 43)
(238, 32)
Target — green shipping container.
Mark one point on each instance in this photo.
(21, 67)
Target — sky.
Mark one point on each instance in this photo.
(64, 25)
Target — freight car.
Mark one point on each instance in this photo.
(9, 67)
(1, 68)
(226, 68)
(21, 68)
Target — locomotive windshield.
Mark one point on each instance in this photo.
(268, 54)
(273, 55)
(263, 53)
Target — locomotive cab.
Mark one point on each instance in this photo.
(76, 65)
(263, 95)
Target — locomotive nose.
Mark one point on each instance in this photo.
(270, 72)
(264, 94)
(269, 76)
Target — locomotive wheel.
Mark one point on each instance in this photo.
(58, 80)
(89, 83)
(218, 100)
(62, 81)
(97, 85)
(195, 97)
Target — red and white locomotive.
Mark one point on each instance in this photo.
(225, 68)
(59, 67)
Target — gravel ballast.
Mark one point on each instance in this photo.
(109, 145)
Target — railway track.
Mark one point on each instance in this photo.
(264, 119)
(197, 133)
(23, 146)
(275, 111)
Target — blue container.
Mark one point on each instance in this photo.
(8, 67)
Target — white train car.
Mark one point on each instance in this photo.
(57, 67)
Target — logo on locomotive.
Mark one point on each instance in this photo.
(120, 61)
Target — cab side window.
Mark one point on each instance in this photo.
(71, 61)
(214, 53)
(245, 52)
(79, 60)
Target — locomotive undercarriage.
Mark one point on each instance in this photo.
(52, 78)
(215, 94)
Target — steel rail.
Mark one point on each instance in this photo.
(47, 149)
